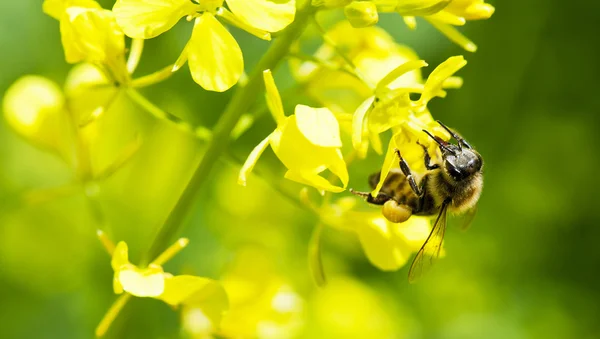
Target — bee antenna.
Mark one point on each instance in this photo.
(439, 142)
(461, 141)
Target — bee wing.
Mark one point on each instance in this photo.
(430, 251)
(467, 218)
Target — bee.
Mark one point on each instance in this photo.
(454, 184)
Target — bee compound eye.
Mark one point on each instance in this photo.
(395, 212)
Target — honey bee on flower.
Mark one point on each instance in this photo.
(452, 183)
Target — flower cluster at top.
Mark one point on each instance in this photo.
(363, 89)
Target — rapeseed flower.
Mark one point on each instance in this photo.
(263, 304)
(391, 107)
(307, 143)
(151, 281)
(444, 15)
(215, 58)
(373, 53)
(457, 13)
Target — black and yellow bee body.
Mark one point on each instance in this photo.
(454, 184)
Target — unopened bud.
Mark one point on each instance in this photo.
(330, 3)
(361, 14)
(34, 107)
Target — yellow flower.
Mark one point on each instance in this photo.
(262, 304)
(374, 53)
(349, 308)
(215, 58)
(90, 34)
(307, 143)
(392, 108)
(470, 9)
(442, 14)
(153, 282)
(457, 13)
(56, 8)
(404, 7)
(387, 245)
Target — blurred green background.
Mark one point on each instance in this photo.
(528, 268)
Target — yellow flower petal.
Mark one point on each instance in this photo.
(304, 159)
(447, 18)
(251, 161)
(272, 96)
(318, 125)
(215, 58)
(330, 3)
(188, 289)
(437, 78)
(230, 18)
(337, 166)
(399, 71)
(358, 121)
(120, 256)
(204, 300)
(145, 19)
(56, 8)
(410, 22)
(415, 231)
(420, 7)
(196, 323)
(382, 246)
(388, 163)
(147, 282)
(361, 14)
(454, 35)
(313, 180)
(91, 35)
(268, 15)
(471, 9)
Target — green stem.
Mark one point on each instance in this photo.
(241, 101)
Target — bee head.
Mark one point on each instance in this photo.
(461, 161)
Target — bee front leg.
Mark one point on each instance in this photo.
(380, 199)
(406, 170)
(427, 158)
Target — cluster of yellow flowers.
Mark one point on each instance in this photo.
(363, 85)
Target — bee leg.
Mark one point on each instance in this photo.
(380, 199)
(427, 159)
(406, 170)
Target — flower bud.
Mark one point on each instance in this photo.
(34, 107)
(361, 14)
(330, 3)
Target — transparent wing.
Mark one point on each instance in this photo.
(467, 218)
(430, 251)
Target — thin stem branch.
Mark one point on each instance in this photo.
(135, 54)
(153, 78)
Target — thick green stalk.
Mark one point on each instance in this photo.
(239, 104)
